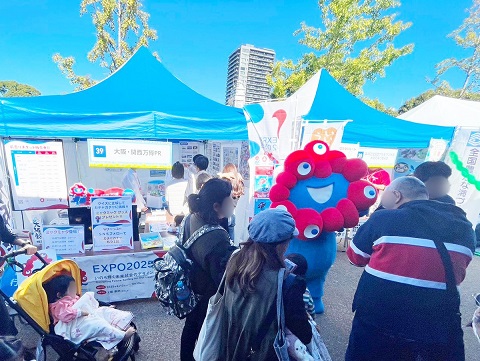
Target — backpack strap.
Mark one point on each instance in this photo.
(196, 235)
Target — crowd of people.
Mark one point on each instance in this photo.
(415, 251)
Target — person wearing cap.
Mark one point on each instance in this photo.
(251, 290)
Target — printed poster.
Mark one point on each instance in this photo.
(466, 144)
(112, 225)
(328, 132)
(111, 210)
(119, 277)
(37, 174)
(188, 150)
(112, 236)
(230, 155)
(408, 160)
(64, 239)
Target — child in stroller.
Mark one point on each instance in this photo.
(31, 302)
(79, 319)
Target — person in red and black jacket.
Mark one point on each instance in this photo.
(400, 306)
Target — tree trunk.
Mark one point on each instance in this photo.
(119, 34)
(465, 84)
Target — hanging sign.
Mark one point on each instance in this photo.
(37, 174)
(64, 239)
(378, 157)
(113, 153)
(436, 150)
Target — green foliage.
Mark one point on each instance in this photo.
(354, 44)
(121, 28)
(377, 104)
(466, 36)
(10, 89)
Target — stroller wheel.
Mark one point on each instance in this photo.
(125, 349)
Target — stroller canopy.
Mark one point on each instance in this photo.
(32, 297)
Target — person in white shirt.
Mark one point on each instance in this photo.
(131, 181)
(175, 191)
(200, 165)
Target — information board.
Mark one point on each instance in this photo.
(113, 153)
(64, 239)
(37, 174)
(112, 225)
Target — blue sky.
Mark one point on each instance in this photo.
(196, 37)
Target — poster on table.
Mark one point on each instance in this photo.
(112, 236)
(112, 224)
(408, 160)
(119, 277)
(64, 239)
(188, 150)
(37, 174)
(136, 154)
(466, 145)
(111, 210)
(328, 132)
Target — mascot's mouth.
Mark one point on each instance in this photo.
(321, 195)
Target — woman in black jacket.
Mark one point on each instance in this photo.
(251, 291)
(209, 253)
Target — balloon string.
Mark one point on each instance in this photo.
(464, 170)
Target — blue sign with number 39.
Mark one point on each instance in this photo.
(99, 151)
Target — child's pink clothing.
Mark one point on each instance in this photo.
(103, 324)
(62, 310)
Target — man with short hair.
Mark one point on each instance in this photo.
(175, 191)
(435, 176)
(200, 165)
(403, 310)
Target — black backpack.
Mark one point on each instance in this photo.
(175, 267)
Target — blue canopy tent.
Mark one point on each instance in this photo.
(141, 100)
(369, 127)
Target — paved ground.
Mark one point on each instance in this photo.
(161, 333)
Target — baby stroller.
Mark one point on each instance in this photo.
(30, 301)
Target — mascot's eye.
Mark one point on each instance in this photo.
(304, 168)
(320, 149)
(311, 231)
(369, 192)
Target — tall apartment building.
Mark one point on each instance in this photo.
(248, 68)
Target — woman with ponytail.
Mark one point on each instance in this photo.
(209, 253)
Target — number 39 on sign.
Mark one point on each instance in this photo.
(99, 151)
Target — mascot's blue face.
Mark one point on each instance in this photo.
(319, 193)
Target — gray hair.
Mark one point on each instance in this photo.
(410, 187)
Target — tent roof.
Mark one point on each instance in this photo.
(141, 100)
(369, 127)
(446, 111)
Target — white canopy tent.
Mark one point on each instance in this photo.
(445, 111)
